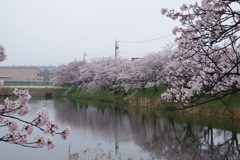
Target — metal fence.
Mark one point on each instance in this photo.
(28, 84)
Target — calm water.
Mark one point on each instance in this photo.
(123, 134)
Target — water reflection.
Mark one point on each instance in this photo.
(127, 134)
(158, 137)
(109, 125)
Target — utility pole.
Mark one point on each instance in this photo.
(84, 56)
(116, 49)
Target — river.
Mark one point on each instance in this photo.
(121, 133)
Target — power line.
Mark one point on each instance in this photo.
(130, 53)
(149, 40)
(105, 51)
(116, 45)
(142, 41)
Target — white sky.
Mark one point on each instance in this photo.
(54, 32)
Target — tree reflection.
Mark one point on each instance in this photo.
(162, 138)
(172, 140)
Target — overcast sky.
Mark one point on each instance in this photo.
(55, 32)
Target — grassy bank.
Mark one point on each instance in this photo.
(145, 98)
(150, 98)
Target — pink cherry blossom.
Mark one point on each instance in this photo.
(28, 128)
(41, 142)
(24, 96)
(65, 133)
(164, 10)
(23, 139)
(16, 137)
(42, 118)
(23, 110)
(50, 143)
(12, 126)
(51, 128)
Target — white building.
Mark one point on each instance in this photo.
(15, 73)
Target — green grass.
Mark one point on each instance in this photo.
(150, 93)
(232, 100)
(137, 97)
(103, 95)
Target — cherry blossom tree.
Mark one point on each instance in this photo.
(108, 71)
(18, 129)
(96, 74)
(114, 74)
(147, 72)
(100, 79)
(86, 75)
(208, 54)
(68, 74)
